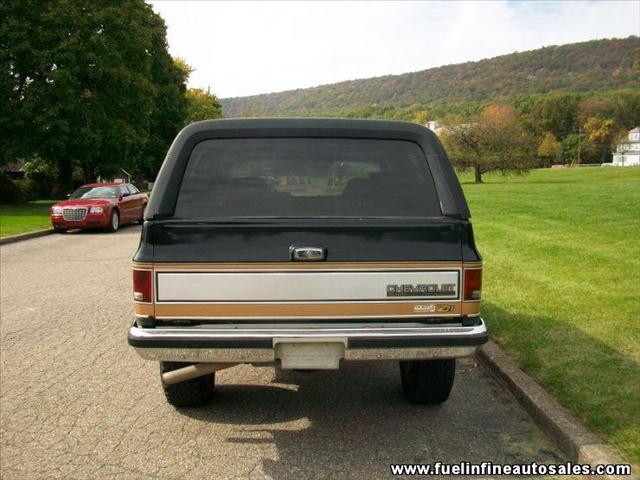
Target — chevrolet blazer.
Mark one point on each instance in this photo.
(305, 243)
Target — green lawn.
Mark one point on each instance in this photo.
(24, 217)
(562, 287)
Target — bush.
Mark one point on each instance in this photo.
(40, 179)
(9, 191)
(40, 185)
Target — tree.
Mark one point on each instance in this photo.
(87, 85)
(550, 149)
(201, 105)
(577, 149)
(599, 130)
(421, 117)
(601, 133)
(495, 140)
(621, 106)
(170, 108)
(558, 114)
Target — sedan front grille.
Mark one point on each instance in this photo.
(74, 214)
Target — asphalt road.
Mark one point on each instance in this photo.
(77, 402)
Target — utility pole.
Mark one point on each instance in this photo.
(578, 161)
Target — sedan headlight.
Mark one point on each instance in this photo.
(97, 210)
(56, 210)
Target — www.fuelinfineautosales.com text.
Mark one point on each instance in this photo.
(488, 468)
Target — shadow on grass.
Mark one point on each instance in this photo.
(598, 383)
(518, 180)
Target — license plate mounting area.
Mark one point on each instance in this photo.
(310, 354)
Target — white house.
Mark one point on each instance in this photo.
(628, 151)
(434, 126)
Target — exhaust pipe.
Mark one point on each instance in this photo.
(193, 371)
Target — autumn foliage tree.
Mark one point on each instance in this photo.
(494, 141)
(601, 133)
(202, 105)
(550, 149)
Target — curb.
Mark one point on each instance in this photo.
(25, 236)
(573, 439)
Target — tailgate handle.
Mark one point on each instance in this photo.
(307, 254)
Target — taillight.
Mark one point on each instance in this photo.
(472, 283)
(142, 285)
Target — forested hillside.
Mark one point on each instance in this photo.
(598, 65)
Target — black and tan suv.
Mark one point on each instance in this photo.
(304, 243)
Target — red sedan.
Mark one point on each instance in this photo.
(99, 205)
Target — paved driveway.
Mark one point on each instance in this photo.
(76, 401)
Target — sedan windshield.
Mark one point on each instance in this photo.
(95, 192)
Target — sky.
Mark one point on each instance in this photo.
(247, 48)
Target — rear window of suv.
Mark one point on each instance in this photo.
(307, 177)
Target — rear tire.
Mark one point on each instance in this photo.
(427, 381)
(191, 393)
(114, 221)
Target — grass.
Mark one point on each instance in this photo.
(24, 217)
(562, 287)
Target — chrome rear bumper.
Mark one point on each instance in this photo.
(255, 343)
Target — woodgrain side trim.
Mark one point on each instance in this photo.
(471, 308)
(144, 309)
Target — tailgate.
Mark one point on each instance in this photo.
(234, 273)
